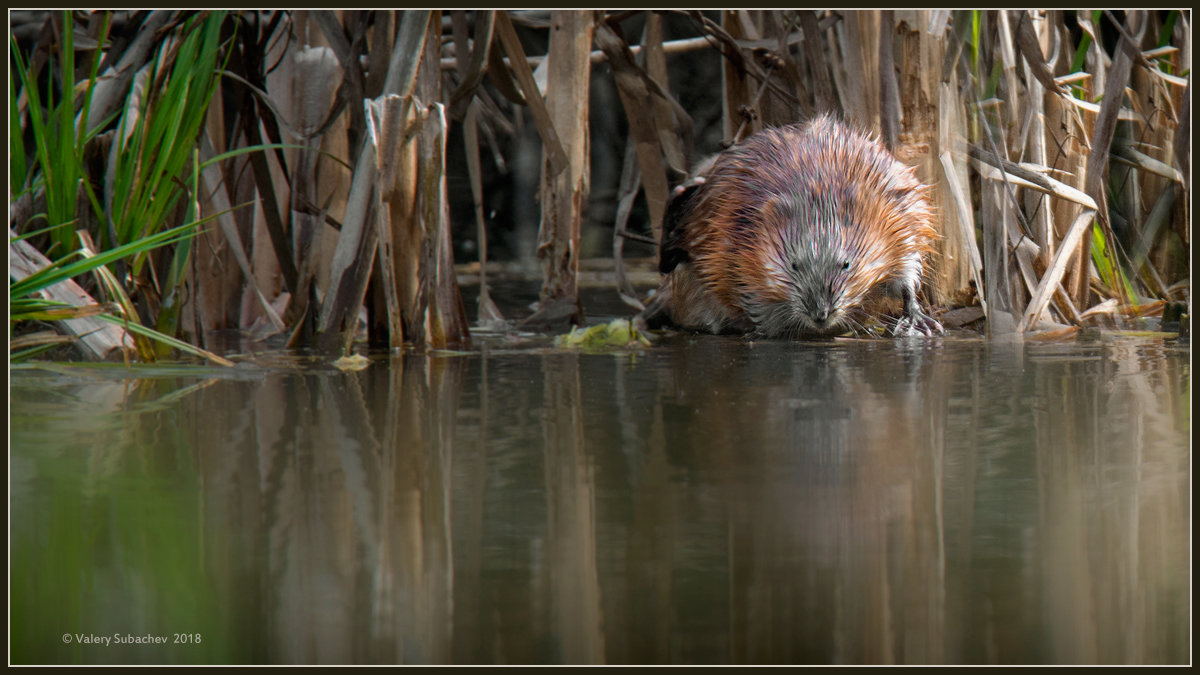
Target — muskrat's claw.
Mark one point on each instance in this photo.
(917, 324)
(914, 321)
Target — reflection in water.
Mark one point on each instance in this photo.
(709, 500)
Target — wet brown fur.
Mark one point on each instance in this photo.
(812, 194)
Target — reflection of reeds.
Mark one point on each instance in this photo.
(1111, 474)
(727, 502)
(574, 584)
(338, 486)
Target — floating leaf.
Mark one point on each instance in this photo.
(615, 334)
(354, 362)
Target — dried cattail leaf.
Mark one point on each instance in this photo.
(214, 187)
(1031, 51)
(473, 68)
(489, 314)
(314, 89)
(635, 98)
(497, 72)
(533, 97)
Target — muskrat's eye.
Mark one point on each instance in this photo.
(846, 266)
(795, 266)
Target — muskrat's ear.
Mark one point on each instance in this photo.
(670, 250)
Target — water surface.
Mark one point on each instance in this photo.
(705, 500)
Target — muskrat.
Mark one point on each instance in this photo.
(795, 231)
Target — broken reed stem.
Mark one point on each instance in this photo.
(598, 56)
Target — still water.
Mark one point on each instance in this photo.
(705, 500)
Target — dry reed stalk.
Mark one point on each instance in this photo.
(996, 261)
(260, 120)
(953, 186)
(112, 88)
(470, 58)
(627, 190)
(1010, 103)
(674, 135)
(860, 52)
(445, 319)
(353, 260)
(890, 111)
(216, 275)
(421, 297)
(773, 53)
(405, 227)
(316, 78)
(271, 223)
(818, 67)
(387, 117)
(380, 51)
(564, 193)
(354, 256)
(1105, 128)
(1145, 159)
(1065, 125)
(1029, 176)
(636, 99)
(416, 239)
(785, 28)
(417, 301)
(530, 94)
(489, 314)
(1034, 40)
(672, 123)
(933, 129)
(216, 193)
(959, 243)
(1054, 273)
(334, 27)
(400, 184)
(737, 101)
(597, 56)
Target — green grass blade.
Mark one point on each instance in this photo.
(41, 348)
(52, 311)
(168, 123)
(166, 339)
(55, 273)
(272, 146)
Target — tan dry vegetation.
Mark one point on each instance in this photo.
(1057, 144)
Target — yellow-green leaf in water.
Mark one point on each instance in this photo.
(352, 363)
(614, 334)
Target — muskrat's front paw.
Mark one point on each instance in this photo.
(918, 325)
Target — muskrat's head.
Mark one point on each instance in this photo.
(818, 268)
(827, 247)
